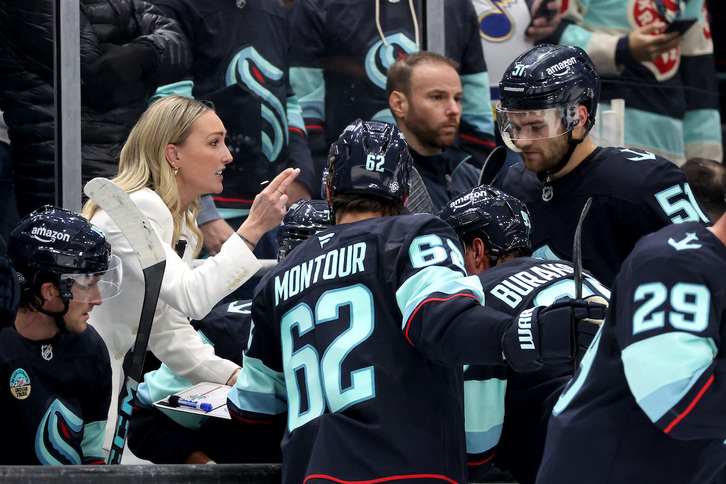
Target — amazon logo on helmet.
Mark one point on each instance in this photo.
(551, 76)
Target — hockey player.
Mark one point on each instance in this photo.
(494, 228)
(549, 98)
(170, 437)
(361, 332)
(55, 367)
(647, 403)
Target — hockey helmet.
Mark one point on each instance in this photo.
(303, 219)
(370, 157)
(500, 218)
(62, 243)
(552, 78)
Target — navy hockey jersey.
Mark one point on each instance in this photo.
(634, 193)
(55, 398)
(340, 54)
(360, 335)
(240, 63)
(511, 287)
(647, 403)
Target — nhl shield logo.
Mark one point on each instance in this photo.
(20, 384)
(46, 351)
(547, 193)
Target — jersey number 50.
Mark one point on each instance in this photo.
(322, 375)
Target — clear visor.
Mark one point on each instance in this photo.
(527, 125)
(95, 287)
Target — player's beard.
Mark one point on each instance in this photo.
(432, 137)
(549, 153)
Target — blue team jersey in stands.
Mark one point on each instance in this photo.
(647, 404)
(55, 398)
(634, 193)
(361, 332)
(511, 287)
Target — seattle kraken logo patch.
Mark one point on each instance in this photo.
(381, 55)
(20, 384)
(686, 243)
(58, 436)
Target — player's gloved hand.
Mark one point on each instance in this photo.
(550, 334)
(9, 293)
(587, 327)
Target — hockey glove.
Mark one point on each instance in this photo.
(588, 326)
(9, 293)
(551, 334)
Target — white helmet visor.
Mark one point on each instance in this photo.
(94, 287)
(519, 124)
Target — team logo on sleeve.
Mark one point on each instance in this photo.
(20, 384)
(58, 436)
(686, 242)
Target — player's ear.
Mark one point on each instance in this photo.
(398, 104)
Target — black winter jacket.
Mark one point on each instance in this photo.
(116, 83)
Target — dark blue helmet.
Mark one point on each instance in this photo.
(60, 242)
(370, 157)
(502, 219)
(552, 76)
(303, 219)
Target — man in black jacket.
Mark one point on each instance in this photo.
(127, 49)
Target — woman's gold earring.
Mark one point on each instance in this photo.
(176, 170)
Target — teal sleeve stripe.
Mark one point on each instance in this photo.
(661, 370)
(429, 280)
(702, 125)
(182, 88)
(259, 389)
(294, 114)
(483, 413)
(92, 443)
(577, 36)
(309, 87)
(476, 104)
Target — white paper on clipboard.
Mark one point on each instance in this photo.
(206, 392)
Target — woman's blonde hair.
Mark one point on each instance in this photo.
(143, 163)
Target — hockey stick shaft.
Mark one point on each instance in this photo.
(577, 250)
(150, 253)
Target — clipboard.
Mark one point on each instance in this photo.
(214, 393)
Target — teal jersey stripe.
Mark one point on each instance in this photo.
(259, 389)
(182, 88)
(92, 443)
(661, 370)
(309, 86)
(429, 280)
(483, 413)
(476, 104)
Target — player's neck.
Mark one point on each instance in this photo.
(582, 151)
(35, 325)
(347, 218)
(719, 229)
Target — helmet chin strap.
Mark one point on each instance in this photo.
(58, 317)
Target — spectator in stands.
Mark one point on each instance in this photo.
(425, 95)
(707, 179)
(667, 79)
(341, 51)
(127, 49)
(55, 367)
(174, 155)
(240, 62)
(9, 216)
